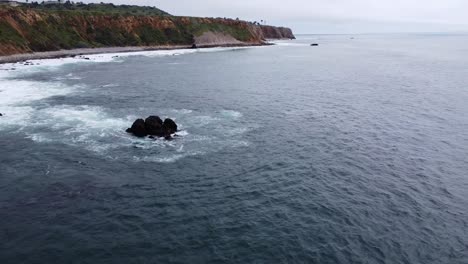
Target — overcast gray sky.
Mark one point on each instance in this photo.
(330, 16)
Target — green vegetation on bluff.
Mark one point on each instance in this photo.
(101, 8)
(9, 34)
(198, 27)
(47, 27)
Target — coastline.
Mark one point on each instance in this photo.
(93, 51)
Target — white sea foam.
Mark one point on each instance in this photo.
(288, 43)
(182, 111)
(85, 117)
(39, 138)
(170, 159)
(69, 76)
(15, 92)
(204, 120)
(231, 113)
(167, 159)
(16, 97)
(182, 133)
(85, 126)
(40, 65)
(53, 64)
(109, 85)
(108, 57)
(93, 127)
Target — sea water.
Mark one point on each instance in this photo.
(355, 151)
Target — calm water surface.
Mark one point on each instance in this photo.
(355, 151)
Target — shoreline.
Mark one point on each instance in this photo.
(93, 51)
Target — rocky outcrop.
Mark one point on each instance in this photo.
(270, 32)
(26, 30)
(169, 126)
(153, 126)
(213, 39)
(138, 128)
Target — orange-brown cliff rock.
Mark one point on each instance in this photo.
(24, 30)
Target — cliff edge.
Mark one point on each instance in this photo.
(26, 30)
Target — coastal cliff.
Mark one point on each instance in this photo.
(27, 30)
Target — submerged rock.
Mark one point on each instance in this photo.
(153, 127)
(1, 114)
(314, 44)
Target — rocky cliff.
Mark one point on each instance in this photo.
(270, 32)
(24, 30)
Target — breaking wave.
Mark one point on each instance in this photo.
(93, 128)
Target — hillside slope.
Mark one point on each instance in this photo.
(24, 30)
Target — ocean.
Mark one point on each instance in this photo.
(355, 151)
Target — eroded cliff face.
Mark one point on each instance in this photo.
(25, 30)
(270, 32)
(213, 39)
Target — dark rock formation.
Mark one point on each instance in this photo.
(153, 127)
(1, 114)
(138, 128)
(270, 32)
(169, 126)
(314, 44)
